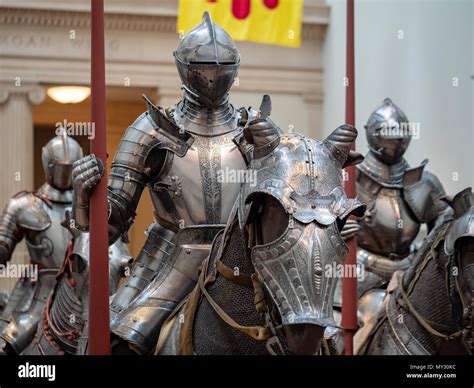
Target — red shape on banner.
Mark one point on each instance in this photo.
(241, 8)
(271, 3)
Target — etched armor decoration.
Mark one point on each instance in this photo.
(36, 217)
(313, 197)
(182, 155)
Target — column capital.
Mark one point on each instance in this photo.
(35, 93)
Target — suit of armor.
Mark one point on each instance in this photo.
(399, 199)
(181, 155)
(36, 217)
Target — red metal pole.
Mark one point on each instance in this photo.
(349, 284)
(99, 332)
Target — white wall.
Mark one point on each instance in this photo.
(416, 72)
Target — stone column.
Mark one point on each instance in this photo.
(16, 130)
(16, 149)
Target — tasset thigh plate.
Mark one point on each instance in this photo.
(140, 323)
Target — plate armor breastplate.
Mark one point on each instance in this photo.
(389, 226)
(201, 187)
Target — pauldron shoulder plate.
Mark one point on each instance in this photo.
(171, 136)
(28, 212)
(422, 191)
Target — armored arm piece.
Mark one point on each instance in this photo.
(23, 212)
(137, 161)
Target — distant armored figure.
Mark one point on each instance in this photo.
(399, 199)
(181, 155)
(36, 217)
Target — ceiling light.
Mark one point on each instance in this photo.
(69, 94)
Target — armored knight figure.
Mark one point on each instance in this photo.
(36, 217)
(399, 199)
(181, 154)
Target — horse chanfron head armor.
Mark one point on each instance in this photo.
(299, 265)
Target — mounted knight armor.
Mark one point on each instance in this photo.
(180, 155)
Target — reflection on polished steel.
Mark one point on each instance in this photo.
(207, 62)
(36, 217)
(310, 198)
(178, 154)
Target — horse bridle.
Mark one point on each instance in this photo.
(270, 333)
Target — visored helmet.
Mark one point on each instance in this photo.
(388, 132)
(207, 62)
(57, 156)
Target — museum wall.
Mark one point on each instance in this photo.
(410, 51)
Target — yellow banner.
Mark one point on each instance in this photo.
(264, 21)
